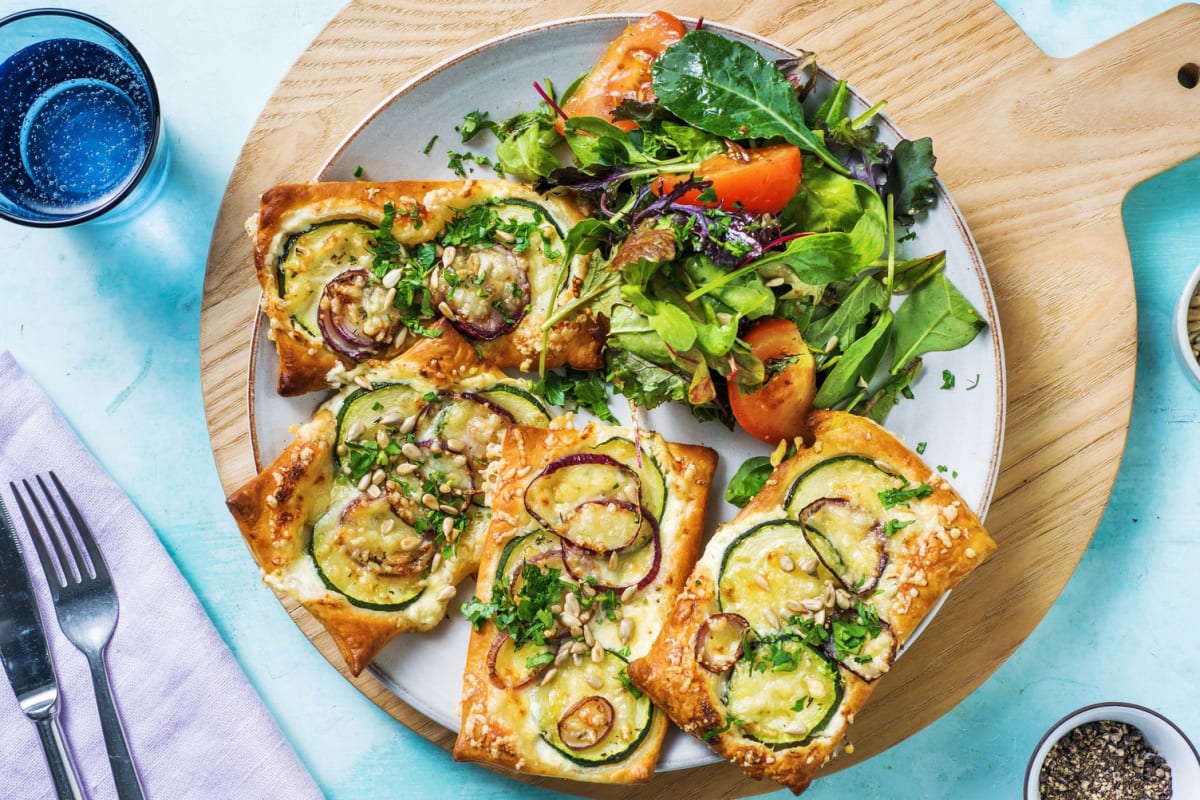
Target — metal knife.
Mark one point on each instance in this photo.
(27, 661)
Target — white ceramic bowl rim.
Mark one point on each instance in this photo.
(1183, 345)
(1060, 729)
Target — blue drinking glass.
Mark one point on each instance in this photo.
(81, 133)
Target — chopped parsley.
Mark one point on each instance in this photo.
(894, 526)
(539, 660)
(574, 389)
(459, 163)
(849, 634)
(774, 654)
(730, 721)
(897, 497)
(947, 379)
(412, 295)
(812, 634)
(527, 617)
(623, 677)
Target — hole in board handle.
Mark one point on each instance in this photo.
(1189, 76)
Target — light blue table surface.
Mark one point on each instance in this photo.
(107, 318)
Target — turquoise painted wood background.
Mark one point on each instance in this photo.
(107, 318)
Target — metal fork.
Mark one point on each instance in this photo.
(86, 605)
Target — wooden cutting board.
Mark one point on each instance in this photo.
(1039, 154)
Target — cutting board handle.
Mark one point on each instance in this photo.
(1130, 92)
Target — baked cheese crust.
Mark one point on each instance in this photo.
(562, 706)
(377, 510)
(800, 602)
(329, 307)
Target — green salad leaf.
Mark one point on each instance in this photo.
(726, 88)
(934, 317)
(748, 481)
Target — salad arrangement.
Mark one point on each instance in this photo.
(744, 230)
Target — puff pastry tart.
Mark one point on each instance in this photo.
(377, 510)
(593, 533)
(800, 603)
(356, 271)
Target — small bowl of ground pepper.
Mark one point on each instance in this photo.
(1114, 751)
(1187, 327)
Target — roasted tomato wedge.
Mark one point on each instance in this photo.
(623, 72)
(762, 179)
(779, 408)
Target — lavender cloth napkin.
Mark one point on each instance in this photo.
(195, 726)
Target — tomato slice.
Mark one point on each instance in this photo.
(762, 179)
(623, 72)
(779, 408)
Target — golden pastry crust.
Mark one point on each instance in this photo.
(422, 211)
(499, 723)
(278, 510)
(925, 559)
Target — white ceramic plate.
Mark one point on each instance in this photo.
(962, 428)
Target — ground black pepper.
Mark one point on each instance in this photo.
(1104, 760)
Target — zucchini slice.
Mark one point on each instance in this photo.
(468, 420)
(314, 256)
(366, 412)
(537, 212)
(855, 478)
(373, 569)
(783, 692)
(525, 408)
(654, 482)
(848, 539)
(582, 728)
(538, 547)
(753, 582)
